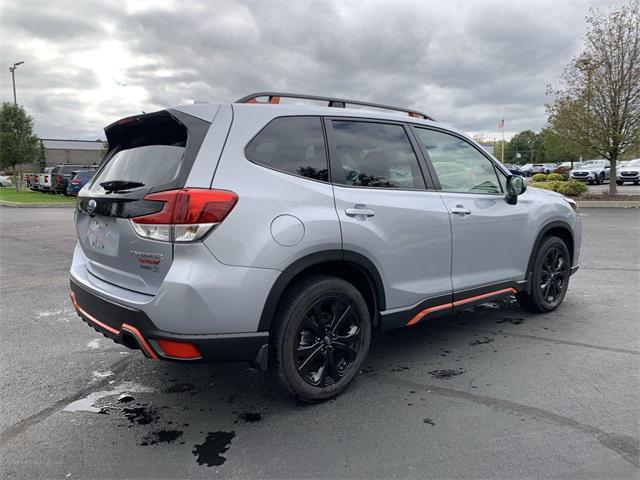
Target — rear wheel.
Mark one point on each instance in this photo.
(321, 338)
(619, 182)
(549, 277)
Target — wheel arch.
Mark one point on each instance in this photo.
(348, 265)
(558, 228)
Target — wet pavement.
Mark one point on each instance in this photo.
(489, 392)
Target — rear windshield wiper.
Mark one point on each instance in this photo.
(119, 185)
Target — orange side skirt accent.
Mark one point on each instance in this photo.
(420, 315)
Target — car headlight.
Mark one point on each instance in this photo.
(572, 203)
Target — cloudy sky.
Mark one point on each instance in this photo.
(467, 63)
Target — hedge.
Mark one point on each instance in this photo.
(554, 177)
(572, 188)
(539, 177)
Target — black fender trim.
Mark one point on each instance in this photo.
(360, 261)
(543, 231)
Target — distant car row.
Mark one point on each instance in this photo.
(64, 179)
(592, 171)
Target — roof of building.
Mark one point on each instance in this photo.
(64, 144)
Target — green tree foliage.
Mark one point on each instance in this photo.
(528, 144)
(42, 161)
(597, 106)
(18, 144)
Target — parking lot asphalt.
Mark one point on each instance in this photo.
(493, 392)
(625, 189)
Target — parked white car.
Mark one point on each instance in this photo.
(593, 171)
(629, 172)
(5, 181)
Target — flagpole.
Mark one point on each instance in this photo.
(502, 142)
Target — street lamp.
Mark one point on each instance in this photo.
(13, 78)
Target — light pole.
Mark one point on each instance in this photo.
(13, 79)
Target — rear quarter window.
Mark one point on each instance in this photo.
(293, 145)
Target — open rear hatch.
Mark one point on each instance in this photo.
(147, 154)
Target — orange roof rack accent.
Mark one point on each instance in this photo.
(274, 98)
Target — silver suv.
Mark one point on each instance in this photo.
(286, 234)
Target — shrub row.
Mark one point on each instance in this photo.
(572, 188)
(551, 177)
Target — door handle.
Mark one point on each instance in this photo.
(359, 210)
(460, 210)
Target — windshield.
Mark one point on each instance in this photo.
(593, 163)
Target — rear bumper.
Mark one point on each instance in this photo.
(132, 328)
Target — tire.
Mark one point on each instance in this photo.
(636, 183)
(319, 306)
(619, 182)
(600, 179)
(547, 293)
(590, 182)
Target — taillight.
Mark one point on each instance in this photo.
(46, 178)
(187, 215)
(75, 181)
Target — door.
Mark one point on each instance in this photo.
(488, 234)
(386, 212)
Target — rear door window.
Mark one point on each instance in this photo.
(375, 155)
(292, 145)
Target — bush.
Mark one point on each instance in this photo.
(572, 188)
(555, 177)
(539, 177)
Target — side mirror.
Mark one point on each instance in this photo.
(515, 186)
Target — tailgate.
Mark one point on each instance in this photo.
(148, 153)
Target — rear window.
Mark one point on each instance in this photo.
(151, 165)
(150, 152)
(293, 145)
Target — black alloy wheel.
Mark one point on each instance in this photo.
(327, 341)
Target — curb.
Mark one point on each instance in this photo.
(37, 205)
(609, 204)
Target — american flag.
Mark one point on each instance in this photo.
(501, 124)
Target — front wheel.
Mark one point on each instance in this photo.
(600, 179)
(619, 182)
(320, 339)
(549, 277)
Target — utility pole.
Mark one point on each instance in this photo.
(13, 79)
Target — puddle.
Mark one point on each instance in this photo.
(87, 404)
(447, 373)
(140, 414)
(161, 436)
(179, 388)
(210, 452)
(482, 341)
(511, 320)
(250, 417)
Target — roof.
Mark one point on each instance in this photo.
(64, 144)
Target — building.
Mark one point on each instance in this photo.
(80, 152)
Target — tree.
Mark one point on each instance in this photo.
(528, 144)
(597, 106)
(18, 144)
(557, 148)
(42, 160)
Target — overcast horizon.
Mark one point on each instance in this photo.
(468, 64)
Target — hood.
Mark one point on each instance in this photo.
(587, 169)
(545, 191)
(628, 169)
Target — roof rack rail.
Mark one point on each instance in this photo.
(274, 98)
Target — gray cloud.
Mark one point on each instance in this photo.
(467, 63)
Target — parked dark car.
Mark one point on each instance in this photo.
(79, 180)
(61, 175)
(514, 169)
